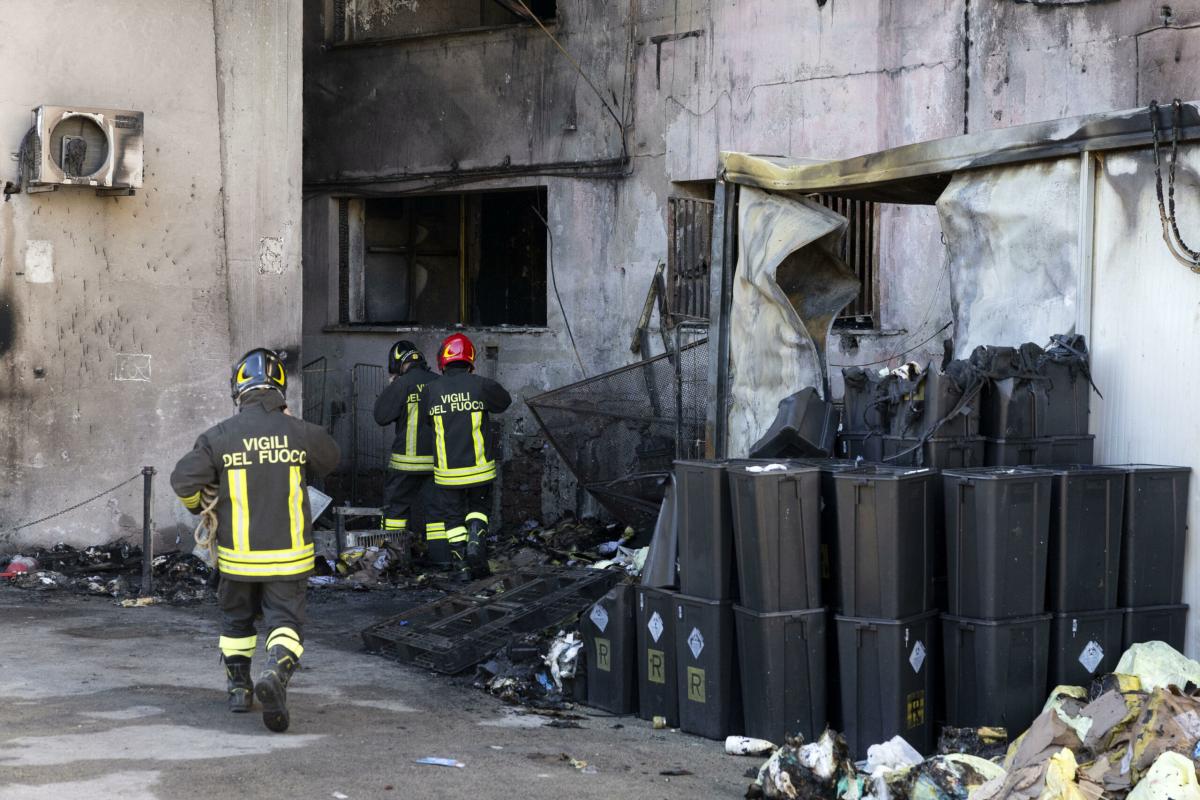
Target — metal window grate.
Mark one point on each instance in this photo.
(689, 237)
(860, 251)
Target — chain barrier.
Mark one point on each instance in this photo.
(77, 505)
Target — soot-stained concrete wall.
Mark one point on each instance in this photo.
(115, 313)
(690, 78)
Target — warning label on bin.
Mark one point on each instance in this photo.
(599, 616)
(1091, 656)
(695, 685)
(656, 626)
(917, 657)
(914, 709)
(604, 654)
(656, 666)
(696, 642)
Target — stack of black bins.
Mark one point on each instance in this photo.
(996, 634)
(709, 692)
(830, 569)
(1086, 514)
(781, 623)
(887, 631)
(1150, 586)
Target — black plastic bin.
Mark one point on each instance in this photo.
(887, 680)
(1154, 624)
(997, 529)
(1152, 544)
(658, 686)
(782, 660)
(777, 534)
(1072, 449)
(1018, 452)
(829, 524)
(611, 642)
(885, 541)
(937, 452)
(1084, 645)
(710, 694)
(1068, 398)
(1014, 408)
(867, 446)
(1086, 516)
(805, 426)
(995, 670)
(706, 552)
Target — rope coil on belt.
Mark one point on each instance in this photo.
(206, 530)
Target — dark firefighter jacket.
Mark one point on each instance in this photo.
(260, 460)
(400, 403)
(459, 406)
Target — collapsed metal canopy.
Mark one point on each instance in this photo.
(918, 173)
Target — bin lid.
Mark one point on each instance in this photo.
(887, 472)
(1150, 468)
(997, 473)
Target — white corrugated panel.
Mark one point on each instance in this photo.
(1146, 334)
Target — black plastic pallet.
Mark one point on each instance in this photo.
(459, 631)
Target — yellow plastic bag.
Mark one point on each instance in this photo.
(1158, 665)
(1060, 779)
(1173, 777)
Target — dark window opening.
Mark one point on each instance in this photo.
(470, 259)
(374, 20)
(860, 251)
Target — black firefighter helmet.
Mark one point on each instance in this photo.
(403, 352)
(259, 369)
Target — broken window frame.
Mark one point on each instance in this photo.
(354, 246)
(340, 31)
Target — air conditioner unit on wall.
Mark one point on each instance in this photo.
(98, 147)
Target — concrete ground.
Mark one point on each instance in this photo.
(97, 701)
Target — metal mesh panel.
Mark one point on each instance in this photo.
(371, 445)
(619, 432)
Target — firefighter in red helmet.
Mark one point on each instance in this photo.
(458, 407)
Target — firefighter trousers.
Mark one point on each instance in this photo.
(281, 604)
(405, 498)
(454, 508)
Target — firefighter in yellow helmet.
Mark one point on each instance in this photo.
(260, 461)
(411, 463)
(459, 406)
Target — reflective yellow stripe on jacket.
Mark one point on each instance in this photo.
(482, 471)
(242, 561)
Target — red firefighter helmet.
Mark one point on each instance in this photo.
(456, 348)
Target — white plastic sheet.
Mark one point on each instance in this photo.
(1013, 238)
(788, 286)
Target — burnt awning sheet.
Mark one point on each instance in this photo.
(919, 173)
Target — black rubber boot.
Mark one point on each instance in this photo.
(461, 568)
(271, 689)
(477, 551)
(239, 684)
(439, 554)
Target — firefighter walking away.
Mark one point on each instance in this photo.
(258, 463)
(458, 407)
(411, 464)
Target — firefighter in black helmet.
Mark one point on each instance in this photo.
(260, 461)
(459, 406)
(411, 462)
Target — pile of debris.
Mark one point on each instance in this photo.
(536, 671)
(569, 542)
(1131, 735)
(112, 570)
